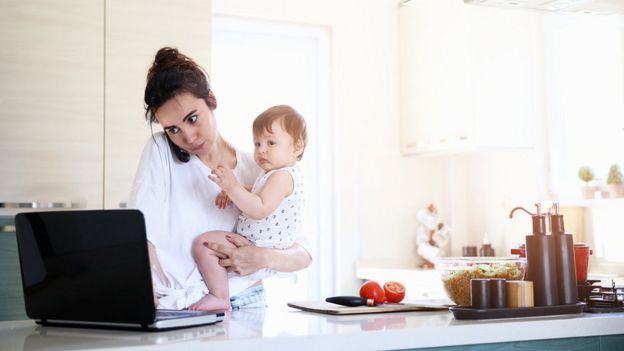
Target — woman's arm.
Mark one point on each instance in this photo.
(247, 259)
(293, 259)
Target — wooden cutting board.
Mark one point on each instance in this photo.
(330, 308)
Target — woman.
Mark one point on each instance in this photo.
(173, 190)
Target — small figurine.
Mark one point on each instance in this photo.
(431, 235)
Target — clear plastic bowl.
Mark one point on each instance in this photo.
(456, 273)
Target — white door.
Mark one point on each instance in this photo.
(257, 64)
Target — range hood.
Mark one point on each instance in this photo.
(593, 7)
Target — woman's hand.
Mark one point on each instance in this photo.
(243, 259)
(247, 258)
(223, 200)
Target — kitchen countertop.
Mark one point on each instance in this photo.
(285, 328)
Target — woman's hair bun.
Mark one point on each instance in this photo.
(166, 59)
(166, 54)
(171, 73)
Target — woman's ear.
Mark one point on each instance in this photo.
(212, 100)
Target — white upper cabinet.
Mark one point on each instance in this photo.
(470, 77)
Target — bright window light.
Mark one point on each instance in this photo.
(257, 64)
(584, 75)
(585, 97)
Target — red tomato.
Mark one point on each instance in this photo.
(395, 291)
(372, 290)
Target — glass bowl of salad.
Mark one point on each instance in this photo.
(456, 273)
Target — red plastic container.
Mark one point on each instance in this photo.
(581, 257)
(521, 251)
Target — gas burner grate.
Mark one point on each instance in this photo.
(601, 299)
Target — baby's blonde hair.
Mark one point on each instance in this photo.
(292, 122)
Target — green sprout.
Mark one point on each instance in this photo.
(615, 175)
(586, 174)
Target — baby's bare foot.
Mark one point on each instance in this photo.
(210, 303)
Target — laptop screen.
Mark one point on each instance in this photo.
(87, 265)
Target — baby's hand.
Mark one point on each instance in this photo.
(222, 200)
(223, 177)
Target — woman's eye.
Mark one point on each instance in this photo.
(257, 144)
(173, 130)
(271, 142)
(193, 119)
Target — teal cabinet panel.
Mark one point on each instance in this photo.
(11, 297)
(591, 343)
(612, 342)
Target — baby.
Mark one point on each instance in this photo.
(271, 209)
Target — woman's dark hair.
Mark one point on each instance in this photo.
(173, 73)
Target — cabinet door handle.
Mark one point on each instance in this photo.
(34, 205)
(7, 229)
(41, 204)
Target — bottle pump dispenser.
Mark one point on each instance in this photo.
(566, 265)
(541, 260)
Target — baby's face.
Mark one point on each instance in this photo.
(277, 149)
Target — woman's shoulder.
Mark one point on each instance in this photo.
(156, 153)
(244, 159)
(246, 168)
(155, 142)
(150, 178)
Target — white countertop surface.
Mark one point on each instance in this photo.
(284, 328)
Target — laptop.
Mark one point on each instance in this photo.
(90, 268)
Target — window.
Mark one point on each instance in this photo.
(257, 64)
(585, 97)
(584, 76)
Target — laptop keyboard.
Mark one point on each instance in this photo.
(172, 314)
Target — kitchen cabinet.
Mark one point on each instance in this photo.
(12, 305)
(72, 79)
(51, 101)
(470, 77)
(135, 30)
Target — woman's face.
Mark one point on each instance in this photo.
(189, 122)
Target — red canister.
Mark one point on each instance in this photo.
(581, 256)
(520, 251)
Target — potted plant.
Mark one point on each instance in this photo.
(614, 180)
(586, 174)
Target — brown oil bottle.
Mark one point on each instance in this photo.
(541, 260)
(564, 250)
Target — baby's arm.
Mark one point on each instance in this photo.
(223, 200)
(256, 206)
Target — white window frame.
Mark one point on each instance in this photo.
(319, 163)
(585, 80)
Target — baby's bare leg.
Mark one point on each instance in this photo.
(214, 275)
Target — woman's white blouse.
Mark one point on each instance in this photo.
(178, 202)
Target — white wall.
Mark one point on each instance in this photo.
(377, 190)
(488, 186)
